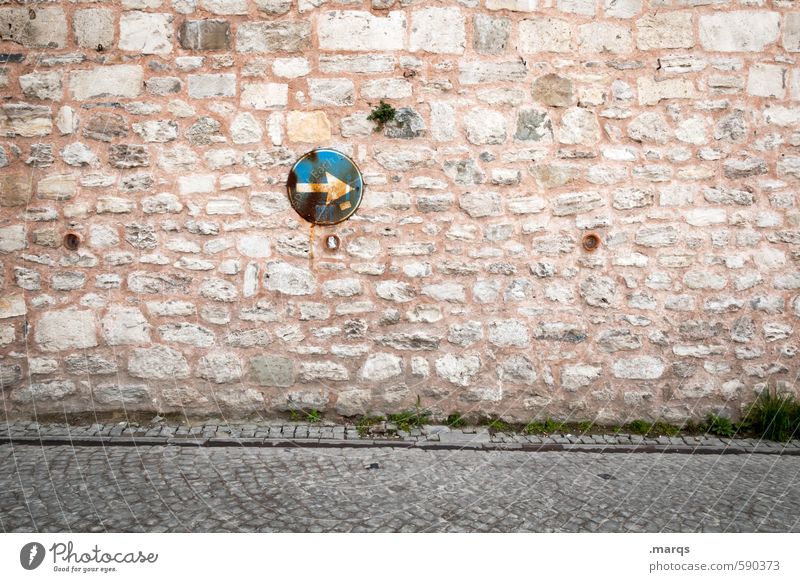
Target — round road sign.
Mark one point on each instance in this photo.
(325, 186)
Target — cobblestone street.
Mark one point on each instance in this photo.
(158, 488)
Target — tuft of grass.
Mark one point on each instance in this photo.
(774, 416)
(496, 424)
(409, 419)
(644, 428)
(720, 426)
(299, 415)
(455, 420)
(585, 426)
(638, 426)
(664, 428)
(549, 426)
(366, 422)
(381, 115)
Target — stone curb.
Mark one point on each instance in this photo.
(734, 447)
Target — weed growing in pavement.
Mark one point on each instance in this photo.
(498, 425)
(638, 426)
(312, 415)
(367, 422)
(773, 416)
(455, 420)
(719, 426)
(409, 419)
(549, 426)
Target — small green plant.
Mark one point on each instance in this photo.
(299, 415)
(381, 115)
(455, 420)
(774, 416)
(409, 419)
(585, 426)
(549, 426)
(720, 426)
(638, 426)
(664, 428)
(533, 428)
(498, 425)
(366, 422)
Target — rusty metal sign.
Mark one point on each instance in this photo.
(325, 186)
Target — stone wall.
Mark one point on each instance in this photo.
(151, 261)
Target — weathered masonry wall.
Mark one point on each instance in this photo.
(155, 137)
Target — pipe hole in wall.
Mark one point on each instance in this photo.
(72, 241)
(332, 243)
(590, 242)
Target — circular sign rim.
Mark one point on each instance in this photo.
(360, 177)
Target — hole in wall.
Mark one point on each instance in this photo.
(332, 242)
(72, 241)
(590, 242)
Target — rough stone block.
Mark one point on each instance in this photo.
(553, 90)
(765, 80)
(228, 6)
(273, 371)
(128, 156)
(652, 91)
(513, 5)
(739, 31)
(45, 86)
(12, 306)
(15, 189)
(289, 279)
(604, 37)
(438, 31)
(24, 120)
(210, 85)
(125, 325)
(147, 33)
(35, 28)
(273, 37)
(639, 368)
(68, 329)
(158, 363)
(791, 31)
(308, 127)
(544, 35)
(13, 238)
(668, 30)
(355, 30)
(208, 35)
(94, 28)
(123, 81)
(491, 35)
(337, 92)
(264, 95)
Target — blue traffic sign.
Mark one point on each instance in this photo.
(325, 186)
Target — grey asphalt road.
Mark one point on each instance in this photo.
(166, 488)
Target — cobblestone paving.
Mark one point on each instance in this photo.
(429, 436)
(170, 488)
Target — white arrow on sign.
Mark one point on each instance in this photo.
(334, 187)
